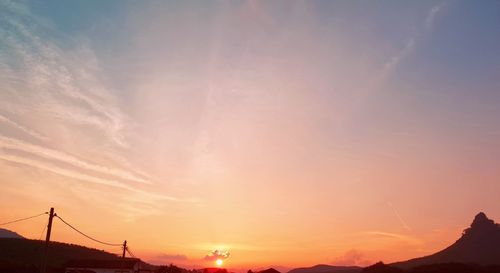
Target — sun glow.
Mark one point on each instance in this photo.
(219, 262)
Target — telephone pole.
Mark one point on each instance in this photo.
(123, 255)
(124, 248)
(47, 240)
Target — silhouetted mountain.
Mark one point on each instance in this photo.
(479, 244)
(323, 268)
(5, 233)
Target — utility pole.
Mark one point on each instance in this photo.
(47, 240)
(123, 256)
(124, 248)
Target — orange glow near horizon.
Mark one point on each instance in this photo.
(288, 133)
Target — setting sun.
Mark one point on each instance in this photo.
(240, 136)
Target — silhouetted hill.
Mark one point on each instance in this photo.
(479, 244)
(269, 270)
(5, 233)
(380, 267)
(433, 268)
(27, 254)
(175, 269)
(323, 268)
(455, 268)
(279, 268)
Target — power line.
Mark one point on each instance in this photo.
(22, 219)
(91, 238)
(72, 227)
(43, 231)
(130, 252)
(40, 239)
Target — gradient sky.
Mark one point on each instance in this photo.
(288, 132)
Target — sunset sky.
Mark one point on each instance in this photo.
(288, 133)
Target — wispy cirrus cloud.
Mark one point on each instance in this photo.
(65, 81)
(390, 235)
(22, 128)
(401, 54)
(15, 144)
(431, 14)
(63, 90)
(412, 41)
(173, 257)
(61, 171)
(401, 220)
(86, 177)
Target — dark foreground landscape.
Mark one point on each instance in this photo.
(476, 251)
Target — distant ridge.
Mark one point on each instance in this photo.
(380, 267)
(278, 268)
(479, 244)
(17, 252)
(323, 268)
(5, 233)
(269, 270)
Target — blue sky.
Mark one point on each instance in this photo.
(175, 113)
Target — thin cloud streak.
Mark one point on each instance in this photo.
(84, 177)
(20, 127)
(429, 20)
(62, 171)
(173, 257)
(405, 51)
(412, 41)
(47, 153)
(403, 222)
(401, 237)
